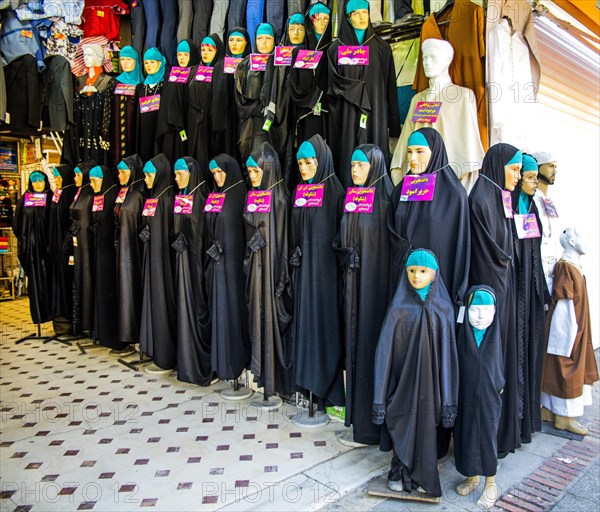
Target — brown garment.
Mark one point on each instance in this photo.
(564, 377)
(466, 33)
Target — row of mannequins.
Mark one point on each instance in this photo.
(213, 273)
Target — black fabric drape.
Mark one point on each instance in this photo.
(146, 123)
(123, 113)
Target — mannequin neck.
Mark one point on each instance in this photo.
(94, 72)
(436, 84)
(572, 256)
(543, 187)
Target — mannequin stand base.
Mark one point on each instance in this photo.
(302, 419)
(134, 365)
(36, 336)
(157, 370)
(548, 428)
(65, 339)
(347, 439)
(272, 404)
(379, 487)
(240, 394)
(83, 347)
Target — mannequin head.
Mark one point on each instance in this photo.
(127, 64)
(418, 153)
(38, 181)
(547, 167)
(93, 55)
(512, 171)
(307, 161)
(482, 309)
(58, 181)
(151, 66)
(237, 43)
(421, 268)
(358, 14)
(360, 168)
(183, 54)
(218, 174)
(437, 56)
(265, 38)
(573, 241)
(149, 174)
(296, 32)
(78, 177)
(254, 172)
(208, 50)
(529, 182)
(182, 174)
(320, 16)
(124, 173)
(96, 177)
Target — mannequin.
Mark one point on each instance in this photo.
(362, 99)
(363, 247)
(569, 364)
(406, 389)
(316, 325)
(458, 108)
(492, 263)
(480, 365)
(548, 215)
(193, 317)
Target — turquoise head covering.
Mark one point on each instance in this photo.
(122, 165)
(149, 167)
(154, 54)
(251, 162)
(529, 163)
(516, 159)
(306, 150)
(96, 172)
(180, 165)
(356, 5)
(56, 173)
(359, 156)
(524, 203)
(36, 176)
(183, 47)
(237, 34)
(417, 139)
(213, 165)
(422, 258)
(296, 19)
(208, 41)
(319, 9)
(77, 170)
(131, 77)
(265, 29)
(481, 298)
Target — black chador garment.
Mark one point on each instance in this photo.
(440, 225)
(129, 247)
(268, 283)
(416, 381)
(316, 324)
(362, 99)
(479, 395)
(82, 240)
(308, 87)
(531, 317)
(159, 320)
(223, 114)
(105, 262)
(492, 264)
(61, 271)
(363, 246)
(225, 248)
(193, 317)
(173, 113)
(30, 226)
(198, 122)
(251, 98)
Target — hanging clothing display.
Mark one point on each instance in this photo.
(58, 102)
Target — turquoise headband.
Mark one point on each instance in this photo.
(265, 29)
(482, 298)
(359, 156)
(153, 54)
(36, 176)
(297, 19)
(181, 165)
(237, 34)
(56, 173)
(213, 165)
(319, 9)
(516, 159)
(96, 172)
(129, 53)
(149, 167)
(251, 162)
(417, 139)
(208, 41)
(529, 164)
(183, 46)
(122, 165)
(77, 170)
(356, 5)
(306, 150)
(421, 258)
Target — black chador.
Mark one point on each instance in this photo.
(363, 246)
(193, 317)
(225, 248)
(61, 252)
(30, 226)
(316, 326)
(128, 217)
(268, 283)
(158, 326)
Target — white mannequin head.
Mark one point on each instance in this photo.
(573, 242)
(437, 56)
(482, 309)
(93, 55)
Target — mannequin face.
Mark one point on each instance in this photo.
(530, 182)
(182, 178)
(152, 66)
(58, 181)
(549, 170)
(512, 175)
(256, 176)
(320, 22)
(127, 64)
(360, 19)
(90, 58)
(296, 33)
(208, 53)
(96, 184)
(360, 172)
(237, 45)
(481, 317)
(149, 179)
(265, 43)
(78, 179)
(418, 158)
(578, 242)
(38, 186)
(124, 175)
(183, 59)
(219, 176)
(420, 277)
(435, 61)
(308, 168)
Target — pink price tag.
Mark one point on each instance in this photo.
(309, 195)
(308, 59)
(507, 204)
(527, 226)
(420, 187)
(283, 55)
(359, 200)
(230, 64)
(149, 208)
(56, 196)
(125, 89)
(214, 202)
(179, 75)
(34, 200)
(98, 204)
(353, 55)
(149, 103)
(183, 204)
(426, 112)
(122, 194)
(258, 201)
(204, 74)
(258, 61)
(550, 208)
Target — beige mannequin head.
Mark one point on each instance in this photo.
(124, 175)
(237, 44)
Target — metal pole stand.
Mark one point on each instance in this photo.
(308, 418)
(134, 365)
(268, 404)
(238, 392)
(86, 346)
(37, 336)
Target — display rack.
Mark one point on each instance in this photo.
(9, 264)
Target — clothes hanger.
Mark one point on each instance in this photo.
(447, 6)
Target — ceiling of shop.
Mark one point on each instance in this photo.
(585, 12)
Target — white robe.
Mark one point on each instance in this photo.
(551, 248)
